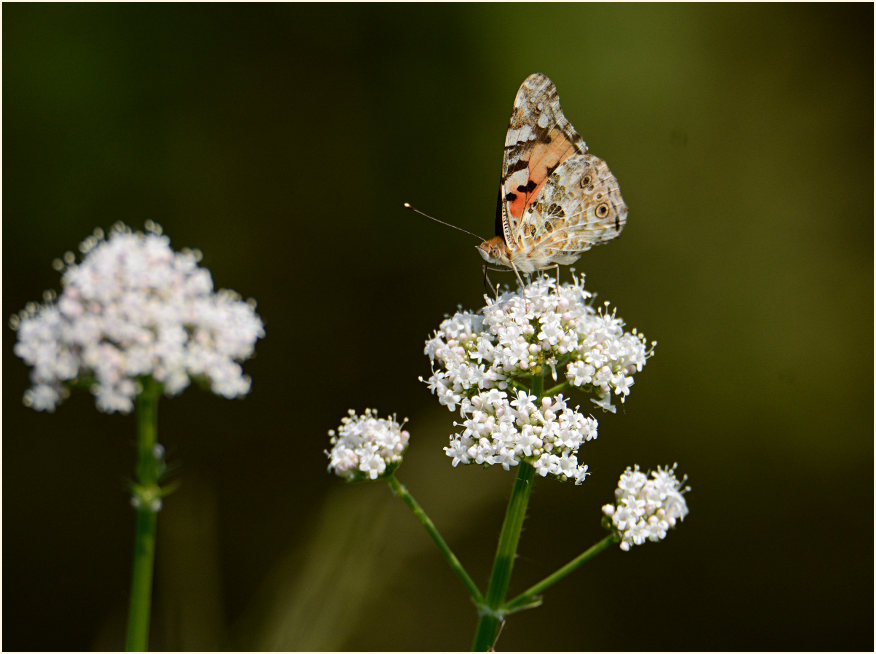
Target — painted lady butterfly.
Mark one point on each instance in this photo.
(556, 200)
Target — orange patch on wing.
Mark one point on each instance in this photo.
(517, 206)
(542, 156)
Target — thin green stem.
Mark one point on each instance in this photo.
(147, 496)
(565, 386)
(528, 596)
(141, 582)
(399, 490)
(491, 613)
(536, 386)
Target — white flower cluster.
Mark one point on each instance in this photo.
(483, 363)
(134, 307)
(646, 508)
(527, 332)
(547, 433)
(364, 446)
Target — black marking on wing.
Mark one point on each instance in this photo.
(499, 227)
(539, 87)
(520, 164)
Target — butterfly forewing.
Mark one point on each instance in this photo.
(539, 139)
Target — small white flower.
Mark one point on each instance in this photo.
(134, 307)
(645, 509)
(622, 385)
(525, 404)
(604, 403)
(365, 446)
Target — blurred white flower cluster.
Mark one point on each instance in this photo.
(645, 509)
(483, 363)
(364, 446)
(134, 307)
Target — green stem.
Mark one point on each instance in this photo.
(565, 386)
(399, 490)
(528, 596)
(147, 494)
(536, 386)
(492, 613)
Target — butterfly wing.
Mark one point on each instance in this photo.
(580, 206)
(539, 139)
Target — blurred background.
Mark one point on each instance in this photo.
(282, 140)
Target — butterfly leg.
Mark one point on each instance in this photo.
(519, 279)
(555, 267)
(488, 285)
(522, 287)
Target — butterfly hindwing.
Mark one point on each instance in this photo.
(579, 206)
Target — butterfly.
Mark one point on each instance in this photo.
(556, 200)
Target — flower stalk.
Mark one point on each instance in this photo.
(147, 501)
(492, 614)
(529, 597)
(492, 611)
(399, 490)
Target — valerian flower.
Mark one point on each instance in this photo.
(365, 446)
(133, 307)
(646, 508)
(483, 363)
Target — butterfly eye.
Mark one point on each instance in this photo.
(602, 210)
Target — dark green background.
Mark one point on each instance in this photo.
(282, 140)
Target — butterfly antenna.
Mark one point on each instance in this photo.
(425, 215)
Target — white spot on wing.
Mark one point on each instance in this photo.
(519, 178)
